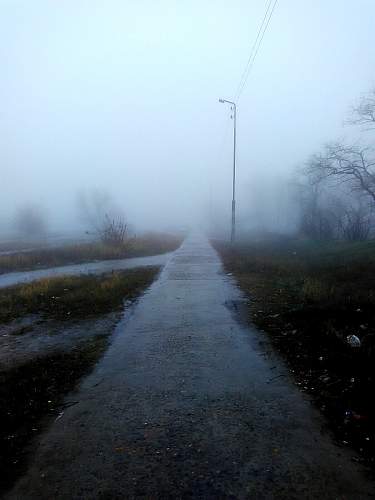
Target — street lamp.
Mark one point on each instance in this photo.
(233, 231)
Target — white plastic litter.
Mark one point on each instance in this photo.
(353, 341)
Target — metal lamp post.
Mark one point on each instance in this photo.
(233, 230)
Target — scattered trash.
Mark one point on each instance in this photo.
(59, 416)
(353, 341)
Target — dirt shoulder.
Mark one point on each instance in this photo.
(309, 299)
(52, 332)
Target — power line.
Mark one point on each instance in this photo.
(256, 46)
(253, 47)
(250, 63)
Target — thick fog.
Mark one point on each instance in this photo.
(121, 97)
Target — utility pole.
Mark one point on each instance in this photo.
(233, 229)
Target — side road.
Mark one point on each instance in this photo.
(100, 267)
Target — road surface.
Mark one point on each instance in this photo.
(186, 405)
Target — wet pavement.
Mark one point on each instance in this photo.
(185, 404)
(98, 267)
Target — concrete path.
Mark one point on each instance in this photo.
(185, 405)
(98, 267)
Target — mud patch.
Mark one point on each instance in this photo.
(43, 337)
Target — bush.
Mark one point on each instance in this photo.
(113, 231)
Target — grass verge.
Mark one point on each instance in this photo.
(151, 244)
(309, 297)
(74, 296)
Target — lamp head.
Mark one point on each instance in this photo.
(221, 100)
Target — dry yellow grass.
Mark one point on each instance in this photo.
(68, 296)
(150, 244)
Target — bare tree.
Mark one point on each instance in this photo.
(104, 217)
(113, 231)
(93, 207)
(364, 112)
(356, 224)
(347, 175)
(350, 165)
(318, 220)
(30, 221)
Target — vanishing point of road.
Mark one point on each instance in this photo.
(186, 404)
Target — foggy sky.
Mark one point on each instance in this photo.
(123, 95)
